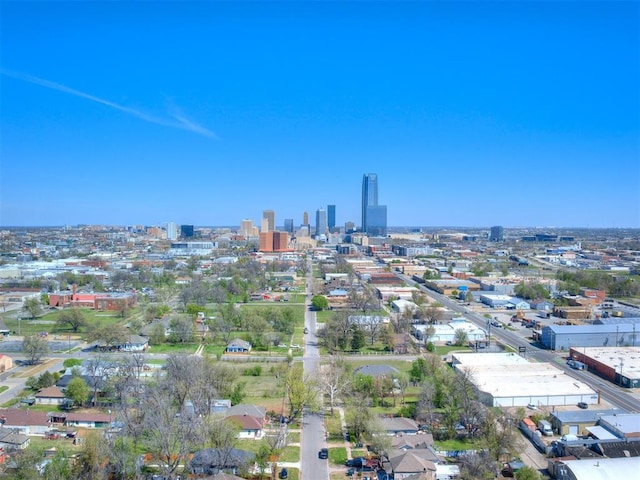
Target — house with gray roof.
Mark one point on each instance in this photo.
(377, 370)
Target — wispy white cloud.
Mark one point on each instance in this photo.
(176, 120)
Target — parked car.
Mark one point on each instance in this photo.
(323, 453)
(531, 406)
(583, 405)
(306, 330)
(284, 473)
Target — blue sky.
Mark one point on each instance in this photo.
(471, 113)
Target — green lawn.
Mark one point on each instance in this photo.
(338, 455)
(333, 425)
(47, 322)
(169, 348)
(290, 454)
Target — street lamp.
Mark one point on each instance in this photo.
(621, 365)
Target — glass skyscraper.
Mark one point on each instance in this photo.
(369, 196)
(331, 217)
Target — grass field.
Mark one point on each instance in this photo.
(47, 322)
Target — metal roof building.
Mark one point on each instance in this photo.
(508, 380)
(563, 337)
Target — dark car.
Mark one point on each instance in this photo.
(284, 473)
(323, 453)
(583, 405)
(357, 462)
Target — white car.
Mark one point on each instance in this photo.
(531, 406)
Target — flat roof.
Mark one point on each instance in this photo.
(584, 416)
(626, 423)
(615, 357)
(501, 375)
(604, 468)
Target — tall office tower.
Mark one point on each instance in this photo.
(172, 231)
(246, 228)
(497, 234)
(321, 222)
(369, 196)
(377, 220)
(186, 231)
(331, 217)
(305, 218)
(288, 225)
(270, 217)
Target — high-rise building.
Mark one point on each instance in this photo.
(172, 231)
(331, 217)
(305, 218)
(497, 234)
(270, 217)
(246, 228)
(288, 225)
(186, 231)
(369, 195)
(321, 222)
(374, 216)
(377, 220)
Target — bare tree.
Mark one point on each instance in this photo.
(333, 379)
(34, 348)
(169, 433)
(372, 324)
(431, 314)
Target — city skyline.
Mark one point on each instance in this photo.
(472, 114)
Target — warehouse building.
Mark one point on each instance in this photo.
(509, 380)
(563, 337)
(619, 365)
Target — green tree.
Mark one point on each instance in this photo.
(33, 307)
(527, 473)
(78, 391)
(319, 302)
(300, 392)
(358, 339)
(34, 348)
(73, 318)
(460, 337)
(59, 468)
(72, 362)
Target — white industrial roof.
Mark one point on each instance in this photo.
(613, 357)
(502, 374)
(604, 468)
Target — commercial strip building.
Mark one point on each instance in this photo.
(447, 333)
(620, 365)
(509, 380)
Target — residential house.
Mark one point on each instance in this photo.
(50, 396)
(245, 409)
(411, 442)
(238, 346)
(250, 426)
(377, 370)
(399, 425)
(27, 422)
(87, 420)
(411, 462)
(212, 461)
(9, 440)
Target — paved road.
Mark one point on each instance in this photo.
(313, 436)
